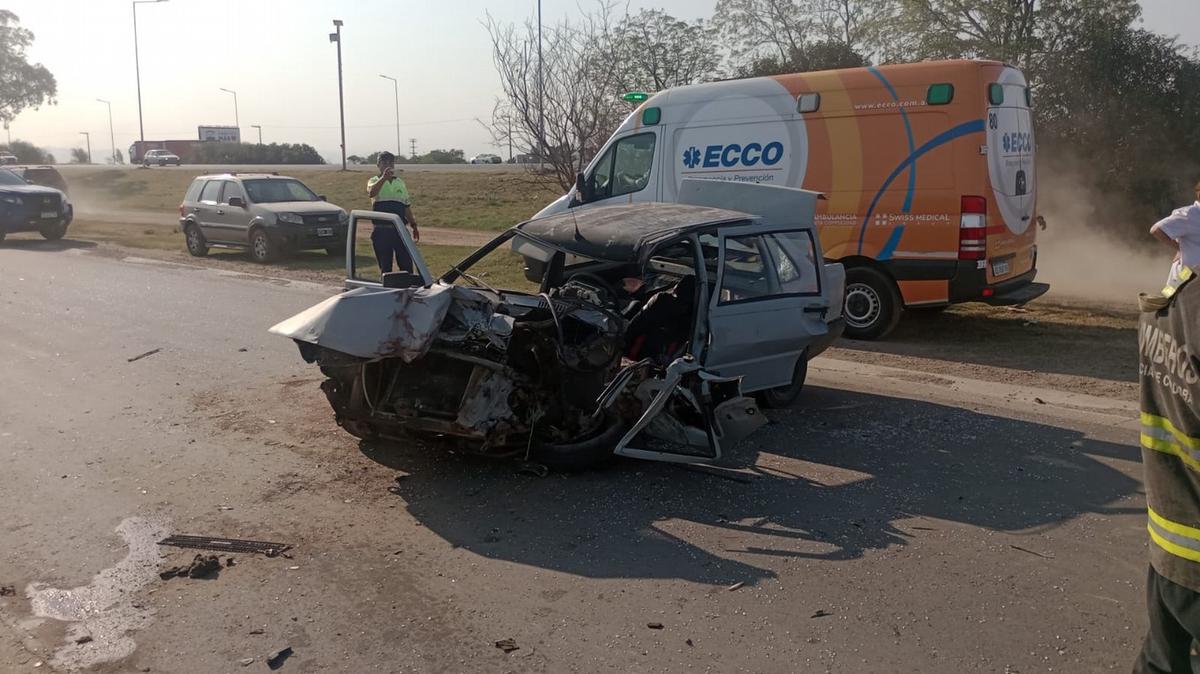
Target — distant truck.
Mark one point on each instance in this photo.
(185, 149)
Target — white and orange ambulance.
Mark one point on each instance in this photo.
(927, 171)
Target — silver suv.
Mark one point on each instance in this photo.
(267, 213)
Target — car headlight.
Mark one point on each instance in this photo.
(15, 201)
(293, 218)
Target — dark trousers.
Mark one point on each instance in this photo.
(387, 242)
(1174, 625)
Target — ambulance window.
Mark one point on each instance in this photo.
(940, 94)
(625, 167)
(1028, 98)
(808, 103)
(995, 94)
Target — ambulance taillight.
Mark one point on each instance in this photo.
(972, 229)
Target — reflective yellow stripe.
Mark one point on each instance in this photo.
(1177, 550)
(1174, 527)
(1171, 448)
(1165, 424)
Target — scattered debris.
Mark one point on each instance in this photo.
(202, 566)
(225, 544)
(231, 562)
(275, 659)
(534, 469)
(246, 662)
(654, 626)
(293, 568)
(224, 507)
(256, 631)
(243, 350)
(8, 591)
(821, 614)
(689, 642)
(140, 356)
(507, 645)
(395, 489)
(1039, 401)
(87, 638)
(736, 586)
(1018, 309)
(1017, 547)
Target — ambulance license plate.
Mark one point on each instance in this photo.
(324, 231)
(1000, 268)
(49, 215)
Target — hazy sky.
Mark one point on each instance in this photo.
(276, 54)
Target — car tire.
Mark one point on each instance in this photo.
(262, 249)
(194, 239)
(872, 305)
(335, 251)
(53, 232)
(783, 397)
(581, 454)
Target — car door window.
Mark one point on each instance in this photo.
(211, 192)
(232, 189)
(624, 168)
(794, 261)
(746, 273)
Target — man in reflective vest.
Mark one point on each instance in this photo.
(389, 194)
(1169, 355)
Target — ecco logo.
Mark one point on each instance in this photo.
(731, 155)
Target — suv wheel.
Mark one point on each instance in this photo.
(197, 245)
(262, 249)
(872, 306)
(53, 232)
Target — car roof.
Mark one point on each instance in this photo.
(237, 175)
(622, 233)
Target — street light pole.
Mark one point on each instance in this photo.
(88, 136)
(337, 37)
(111, 138)
(137, 67)
(236, 122)
(259, 127)
(396, 87)
(541, 96)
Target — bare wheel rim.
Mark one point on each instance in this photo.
(863, 305)
(260, 246)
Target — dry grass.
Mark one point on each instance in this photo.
(471, 199)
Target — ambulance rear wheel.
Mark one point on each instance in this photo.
(872, 305)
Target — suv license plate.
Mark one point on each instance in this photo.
(1000, 268)
(49, 214)
(324, 231)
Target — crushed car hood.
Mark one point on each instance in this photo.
(350, 323)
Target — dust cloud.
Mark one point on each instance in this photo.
(1079, 258)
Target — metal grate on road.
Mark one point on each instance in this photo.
(225, 545)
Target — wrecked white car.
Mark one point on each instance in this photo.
(649, 330)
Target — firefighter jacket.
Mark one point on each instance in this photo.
(1169, 365)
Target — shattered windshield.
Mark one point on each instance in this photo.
(511, 262)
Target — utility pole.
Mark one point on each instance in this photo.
(337, 37)
(236, 122)
(88, 136)
(111, 138)
(412, 144)
(396, 87)
(541, 96)
(7, 131)
(259, 127)
(137, 67)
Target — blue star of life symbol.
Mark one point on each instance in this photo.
(691, 157)
(1007, 143)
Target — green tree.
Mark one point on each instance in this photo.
(656, 51)
(22, 84)
(441, 157)
(28, 153)
(79, 156)
(817, 56)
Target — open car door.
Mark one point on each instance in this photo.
(689, 415)
(356, 277)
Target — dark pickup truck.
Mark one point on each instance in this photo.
(25, 207)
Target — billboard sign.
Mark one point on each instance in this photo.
(221, 134)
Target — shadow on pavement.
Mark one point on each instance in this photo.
(828, 481)
(1037, 341)
(43, 246)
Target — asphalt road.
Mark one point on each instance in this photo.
(895, 521)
